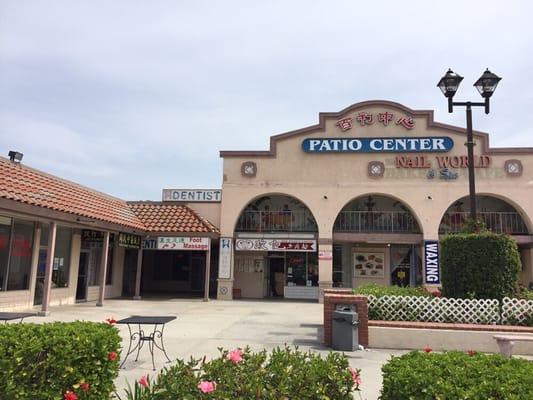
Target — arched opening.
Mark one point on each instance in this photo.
(276, 213)
(497, 214)
(276, 249)
(376, 213)
(376, 239)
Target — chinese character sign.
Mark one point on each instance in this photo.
(182, 243)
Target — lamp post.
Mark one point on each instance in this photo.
(486, 85)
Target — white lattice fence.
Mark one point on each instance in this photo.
(434, 309)
(517, 311)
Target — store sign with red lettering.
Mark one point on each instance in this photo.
(182, 243)
(275, 245)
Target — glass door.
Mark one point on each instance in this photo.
(83, 269)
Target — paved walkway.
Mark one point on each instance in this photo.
(200, 328)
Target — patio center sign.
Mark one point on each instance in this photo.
(431, 144)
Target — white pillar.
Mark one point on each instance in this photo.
(225, 269)
(49, 268)
(207, 271)
(103, 270)
(325, 268)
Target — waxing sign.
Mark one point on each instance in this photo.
(431, 144)
(431, 251)
(275, 245)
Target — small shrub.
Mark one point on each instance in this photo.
(45, 361)
(380, 291)
(242, 375)
(456, 375)
(479, 265)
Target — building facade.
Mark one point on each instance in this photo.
(362, 197)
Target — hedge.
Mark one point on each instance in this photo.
(243, 375)
(380, 291)
(456, 375)
(46, 361)
(479, 265)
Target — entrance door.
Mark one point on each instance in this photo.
(276, 276)
(197, 271)
(130, 273)
(83, 269)
(402, 265)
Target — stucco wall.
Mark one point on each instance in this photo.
(325, 183)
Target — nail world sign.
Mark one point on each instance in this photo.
(182, 243)
(275, 245)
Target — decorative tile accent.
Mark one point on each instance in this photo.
(513, 168)
(376, 169)
(249, 169)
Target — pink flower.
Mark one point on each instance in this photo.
(112, 356)
(427, 349)
(144, 381)
(70, 395)
(207, 386)
(235, 356)
(85, 387)
(355, 376)
(111, 321)
(471, 353)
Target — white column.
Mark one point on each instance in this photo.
(225, 269)
(325, 268)
(207, 271)
(103, 270)
(49, 268)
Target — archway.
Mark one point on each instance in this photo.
(377, 239)
(276, 249)
(498, 215)
(276, 213)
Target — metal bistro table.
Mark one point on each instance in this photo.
(140, 336)
(9, 316)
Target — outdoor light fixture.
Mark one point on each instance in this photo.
(15, 156)
(486, 85)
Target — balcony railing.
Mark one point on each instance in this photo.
(376, 221)
(276, 221)
(497, 222)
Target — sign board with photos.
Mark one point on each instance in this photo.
(369, 264)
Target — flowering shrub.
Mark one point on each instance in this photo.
(457, 375)
(243, 375)
(58, 360)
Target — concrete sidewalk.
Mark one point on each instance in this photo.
(200, 328)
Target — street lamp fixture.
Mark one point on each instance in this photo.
(486, 85)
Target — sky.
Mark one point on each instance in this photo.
(129, 97)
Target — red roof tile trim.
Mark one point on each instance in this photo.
(27, 185)
(163, 217)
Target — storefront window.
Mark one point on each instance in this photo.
(301, 269)
(5, 234)
(109, 269)
(61, 263)
(338, 271)
(172, 265)
(20, 258)
(94, 245)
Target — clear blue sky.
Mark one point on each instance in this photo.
(129, 97)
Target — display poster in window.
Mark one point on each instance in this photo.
(369, 264)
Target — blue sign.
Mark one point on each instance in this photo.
(431, 261)
(430, 144)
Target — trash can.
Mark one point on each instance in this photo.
(344, 330)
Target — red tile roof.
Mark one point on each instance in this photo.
(170, 217)
(27, 185)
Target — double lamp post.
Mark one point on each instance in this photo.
(486, 85)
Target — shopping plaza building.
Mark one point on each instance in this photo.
(364, 196)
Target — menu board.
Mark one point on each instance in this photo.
(369, 264)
